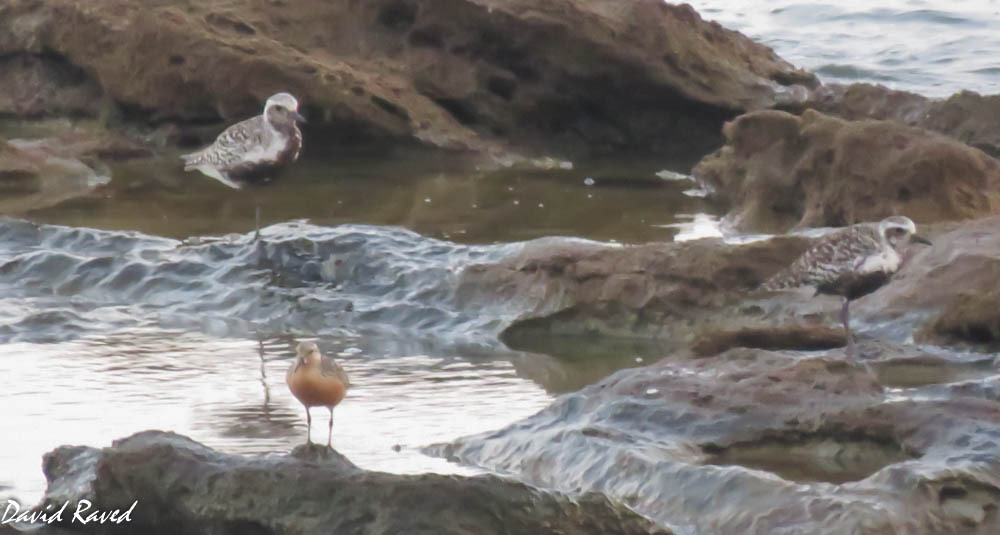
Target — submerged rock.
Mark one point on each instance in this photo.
(779, 171)
(591, 75)
(753, 441)
(42, 172)
(33, 177)
(181, 486)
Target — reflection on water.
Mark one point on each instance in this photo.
(623, 200)
(106, 333)
(568, 363)
(93, 390)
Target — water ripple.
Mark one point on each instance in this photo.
(929, 48)
(61, 282)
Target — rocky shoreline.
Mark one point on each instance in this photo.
(809, 443)
(173, 484)
(753, 421)
(751, 381)
(760, 381)
(500, 80)
(476, 75)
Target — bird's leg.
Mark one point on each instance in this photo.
(845, 318)
(329, 437)
(309, 426)
(256, 218)
(263, 374)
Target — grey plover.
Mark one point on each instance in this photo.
(253, 151)
(851, 263)
(316, 381)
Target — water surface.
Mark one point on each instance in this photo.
(931, 48)
(148, 305)
(135, 307)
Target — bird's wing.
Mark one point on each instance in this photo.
(232, 145)
(828, 259)
(292, 368)
(330, 368)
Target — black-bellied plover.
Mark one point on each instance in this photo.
(852, 262)
(253, 151)
(316, 381)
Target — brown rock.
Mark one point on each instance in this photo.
(972, 318)
(713, 342)
(181, 486)
(33, 178)
(969, 117)
(464, 74)
(780, 171)
(703, 293)
(657, 290)
(40, 85)
(38, 173)
(930, 293)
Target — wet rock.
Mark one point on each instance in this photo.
(43, 172)
(971, 318)
(36, 85)
(31, 177)
(468, 75)
(182, 486)
(85, 143)
(755, 441)
(779, 171)
(969, 117)
(703, 293)
(928, 295)
(656, 290)
(781, 337)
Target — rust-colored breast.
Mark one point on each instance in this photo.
(314, 389)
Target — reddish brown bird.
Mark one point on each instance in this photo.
(316, 381)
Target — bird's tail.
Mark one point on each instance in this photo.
(783, 280)
(191, 160)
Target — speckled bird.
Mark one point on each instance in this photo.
(851, 263)
(316, 381)
(253, 151)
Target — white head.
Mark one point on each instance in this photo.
(307, 353)
(282, 107)
(897, 230)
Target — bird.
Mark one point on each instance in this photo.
(851, 263)
(254, 151)
(316, 381)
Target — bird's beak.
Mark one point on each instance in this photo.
(298, 117)
(920, 239)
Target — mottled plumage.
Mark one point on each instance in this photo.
(255, 150)
(851, 263)
(841, 263)
(316, 381)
